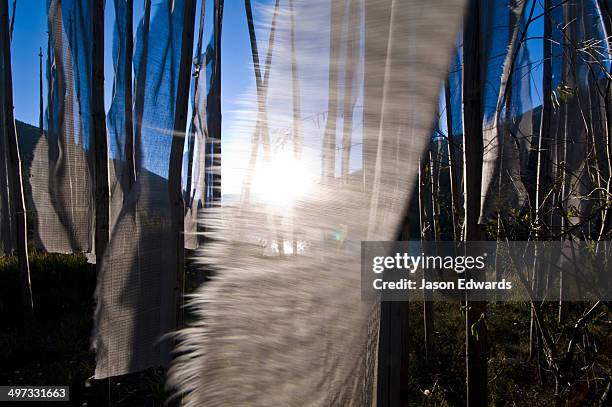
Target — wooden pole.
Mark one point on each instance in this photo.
(569, 77)
(200, 70)
(253, 39)
(214, 103)
(15, 180)
(475, 328)
(434, 187)
(427, 224)
(12, 26)
(434, 233)
(99, 133)
(175, 189)
(40, 89)
(393, 351)
(349, 73)
(261, 104)
(607, 20)
(543, 158)
(296, 99)
(452, 164)
(129, 120)
(328, 166)
(140, 87)
(261, 134)
(472, 121)
(377, 20)
(295, 82)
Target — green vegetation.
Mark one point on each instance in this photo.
(514, 379)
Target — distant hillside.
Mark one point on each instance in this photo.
(28, 136)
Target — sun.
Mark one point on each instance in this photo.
(281, 180)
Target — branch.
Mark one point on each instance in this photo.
(577, 327)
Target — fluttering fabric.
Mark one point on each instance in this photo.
(61, 180)
(282, 322)
(507, 116)
(122, 171)
(138, 278)
(196, 160)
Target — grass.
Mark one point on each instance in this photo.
(513, 379)
(55, 350)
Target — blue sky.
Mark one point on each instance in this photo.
(29, 34)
